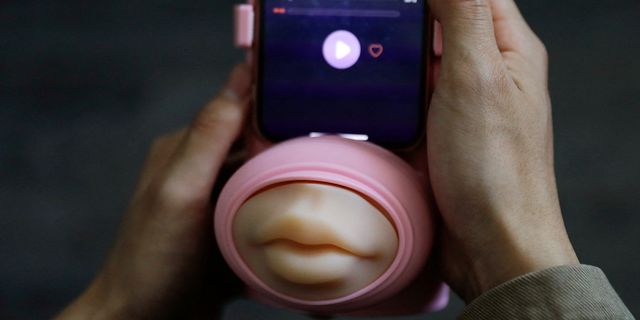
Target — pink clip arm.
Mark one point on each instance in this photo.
(244, 25)
(437, 39)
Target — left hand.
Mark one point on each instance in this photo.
(165, 263)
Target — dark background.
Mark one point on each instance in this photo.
(84, 88)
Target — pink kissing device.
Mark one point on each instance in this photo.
(328, 225)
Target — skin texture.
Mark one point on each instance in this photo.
(489, 159)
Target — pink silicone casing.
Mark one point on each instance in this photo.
(426, 294)
(360, 166)
(243, 25)
(437, 39)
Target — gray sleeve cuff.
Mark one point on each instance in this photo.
(565, 292)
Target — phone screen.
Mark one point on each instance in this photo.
(355, 67)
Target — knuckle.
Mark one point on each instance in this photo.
(538, 59)
(472, 6)
(537, 49)
(166, 141)
(219, 113)
(473, 10)
(487, 79)
(542, 51)
(175, 195)
(170, 195)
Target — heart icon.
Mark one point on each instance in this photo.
(375, 49)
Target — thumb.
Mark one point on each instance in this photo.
(467, 29)
(194, 167)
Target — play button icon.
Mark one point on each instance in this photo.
(341, 49)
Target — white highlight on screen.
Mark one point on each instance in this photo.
(352, 136)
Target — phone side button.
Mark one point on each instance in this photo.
(243, 25)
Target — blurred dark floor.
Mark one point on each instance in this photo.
(84, 88)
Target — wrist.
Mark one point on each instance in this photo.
(518, 254)
(512, 226)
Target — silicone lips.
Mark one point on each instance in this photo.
(313, 231)
(306, 265)
(314, 241)
(299, 248)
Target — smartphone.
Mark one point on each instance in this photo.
(356, 68)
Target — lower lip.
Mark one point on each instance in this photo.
(309, 264)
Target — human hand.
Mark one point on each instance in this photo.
(164, 262)
(490, 149)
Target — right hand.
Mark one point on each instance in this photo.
(490, 149)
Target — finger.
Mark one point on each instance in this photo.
(520, 48)
(467, 29)
(194, 168)
(161, 151)
(510, 28)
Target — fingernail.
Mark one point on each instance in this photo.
(237, 87)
